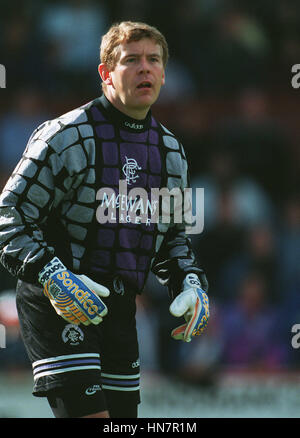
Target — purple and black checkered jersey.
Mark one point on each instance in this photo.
(50, 205)
(130, 151)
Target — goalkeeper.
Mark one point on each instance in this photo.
(78, 276)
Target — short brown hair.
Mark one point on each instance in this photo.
(128, 31)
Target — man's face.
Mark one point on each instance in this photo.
(134, 84)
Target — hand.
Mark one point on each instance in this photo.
(193, 304)
(76, 298)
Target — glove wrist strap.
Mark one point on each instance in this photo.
(191, 281)
(54, 266)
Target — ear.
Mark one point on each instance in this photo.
(163, 79)
(104, 74)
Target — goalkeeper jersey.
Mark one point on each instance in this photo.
(64, 199)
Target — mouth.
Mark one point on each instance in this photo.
(144, 85)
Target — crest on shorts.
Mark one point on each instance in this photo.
(129, 169)
(72, 334)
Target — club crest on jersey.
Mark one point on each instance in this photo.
(129, 169)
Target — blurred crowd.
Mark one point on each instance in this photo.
(228, 96)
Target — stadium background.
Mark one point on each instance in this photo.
(229, 97)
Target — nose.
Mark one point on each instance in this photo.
(144, 66)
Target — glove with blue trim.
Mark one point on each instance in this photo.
(76, 298)
(193, 304)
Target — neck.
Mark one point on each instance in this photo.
(126, 121)
(134, 113)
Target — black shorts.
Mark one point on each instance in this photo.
(103, 357)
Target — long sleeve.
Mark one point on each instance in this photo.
(36, 186)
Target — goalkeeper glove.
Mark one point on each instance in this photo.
(76, 298)
(193, 304)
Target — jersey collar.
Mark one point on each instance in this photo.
(125, 122)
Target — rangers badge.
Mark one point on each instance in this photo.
(129, 170)
(72, 334)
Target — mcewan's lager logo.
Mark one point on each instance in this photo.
(161, 205)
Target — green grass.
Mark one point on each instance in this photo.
(233, 397)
